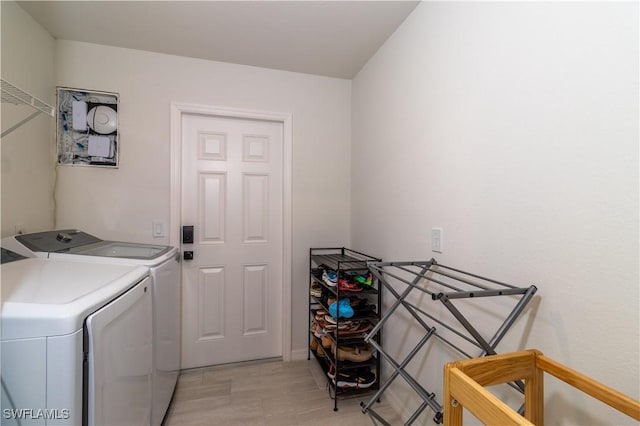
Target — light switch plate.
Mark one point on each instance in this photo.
(436, 240)
(157, 229)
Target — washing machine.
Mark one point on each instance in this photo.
(76, 342)
(163, 262)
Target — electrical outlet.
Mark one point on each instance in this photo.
(436, 240)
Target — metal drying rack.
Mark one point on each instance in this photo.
(447, 285)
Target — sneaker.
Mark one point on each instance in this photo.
(330, 278)
(344, 285)
(357, 380)
(365, 280)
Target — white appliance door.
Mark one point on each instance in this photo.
(167, 329)
(120, 360)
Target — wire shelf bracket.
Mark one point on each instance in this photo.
(13, 95)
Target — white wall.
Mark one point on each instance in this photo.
(514, 126)
(27, 152)
(121, 204)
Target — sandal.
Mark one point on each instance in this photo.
(356, 329)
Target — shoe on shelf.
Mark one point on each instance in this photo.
(345, 285)
(326, 341)
(356, 379)
(358, 301)
(321, 312)
(330, 277)
(361, 306)
(317, 330)
(316, 290)
(320, 351)
(357, 329)
(351, 353)
(314, 344)
(364, 310)
(330, 319)
(366, 279)
(341, 309)
(332, 371)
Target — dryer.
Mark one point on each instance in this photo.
(164, 266)
(76, 343)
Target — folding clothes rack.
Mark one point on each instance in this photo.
(445, 284)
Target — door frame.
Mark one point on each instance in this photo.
(175, 218)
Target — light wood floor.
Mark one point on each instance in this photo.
(264, 393)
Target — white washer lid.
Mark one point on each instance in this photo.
(126, 250)
(50, 297)
(123, 252)
(115, 253)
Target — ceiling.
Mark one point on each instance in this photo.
(330, 38)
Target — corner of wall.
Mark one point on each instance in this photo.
(27, 157)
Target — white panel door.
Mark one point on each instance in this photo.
(232, 189)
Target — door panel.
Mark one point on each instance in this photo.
(232, 193)
(211, 303)
(255, 299)
(256, 208)
(211, 202)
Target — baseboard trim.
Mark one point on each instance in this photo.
(299, 354)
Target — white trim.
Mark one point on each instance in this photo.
(177, 109)
(299, 355)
